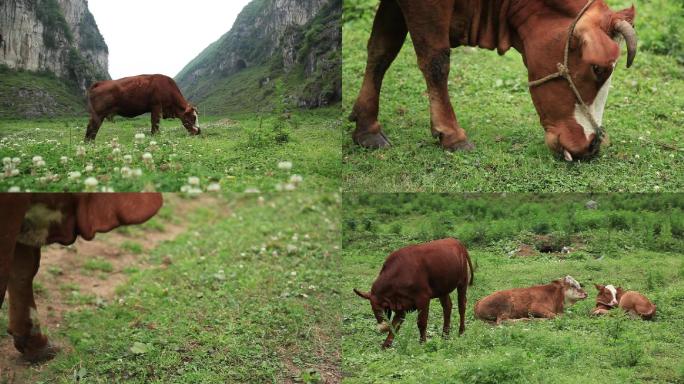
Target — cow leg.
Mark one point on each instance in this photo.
(93, 127)
(423, 320)
(387, 38)
(23, 316)
(156, 115)
(446, 309)
(428, 23)
(462, 301)
(396, 324)
(13, 207)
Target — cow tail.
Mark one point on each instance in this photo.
(470, 265)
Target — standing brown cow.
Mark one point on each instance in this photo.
(137, 95)
(30, 221)
(541, 301)
(414, 275)
(538, 29)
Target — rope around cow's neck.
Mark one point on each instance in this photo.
(564, 72)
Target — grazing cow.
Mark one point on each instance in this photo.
(569, 99)
(632, 302)
(134, 96)
(541, 301)
(413, 275)
(30, 221)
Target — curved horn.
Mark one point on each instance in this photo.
(627, 31)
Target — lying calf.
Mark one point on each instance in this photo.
(413, 275)
(632, 302)
(542, 301)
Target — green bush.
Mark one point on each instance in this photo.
(54, 24)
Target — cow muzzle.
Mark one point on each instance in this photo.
(195, 130)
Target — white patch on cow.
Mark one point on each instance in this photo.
(196, 118)
(613, 291)
(596, 109)
(570, 281)
(383, 327)
(35, 322)
(36, 225)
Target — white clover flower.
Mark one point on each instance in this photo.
(126, 172)
(252, 190)
(296, 179)
(139, 137)
(37, 161)
(194, 191)
(14, 172)
(137, 172)
(656, 188)
(14, 190)
(214, 187)
(116, 151)
(90, 184)
(114, 143)
(185, 189)
(147, 157)
(279, 187)
(192, 180)
(80, 151)
(64, 160)
(106, 189)
(74, 175)
(16, 161)
(89, 168)
(285, 165)
(128, 159)
(7, 161)
(289, 187)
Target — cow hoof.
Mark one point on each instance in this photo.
(465, 146)
(372, 140)
(39, 355)
(386, 345)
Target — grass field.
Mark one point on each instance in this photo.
(634, 241)
(645, 110)
(238, 153)
(244, 293)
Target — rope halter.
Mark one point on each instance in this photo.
(564, 72)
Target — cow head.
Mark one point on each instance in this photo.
(608, 295)
(381, 314)
(190, 119)
(572, 291)
(593, 53)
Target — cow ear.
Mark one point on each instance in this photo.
(627, 14)
(597, 47)
(364, 295)
(102, 212)
(599, 287)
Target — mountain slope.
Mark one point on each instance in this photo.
(293, 43)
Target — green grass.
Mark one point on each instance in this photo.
(239, 152)
(572, 348)
(249, 296)
(492, 103)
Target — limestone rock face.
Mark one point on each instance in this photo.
(56, 36)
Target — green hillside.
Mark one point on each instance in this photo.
(25, 94)
(239, 72)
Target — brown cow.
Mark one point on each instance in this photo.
(632, 302)
(541, 301)
(137, 95)
(30, 221)
(413, 275)
(538, 29)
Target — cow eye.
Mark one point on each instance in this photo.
(601, 73)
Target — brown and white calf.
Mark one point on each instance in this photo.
(412, 276)
(631, 302)
(541, 301)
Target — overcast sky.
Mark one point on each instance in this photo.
(160, 36)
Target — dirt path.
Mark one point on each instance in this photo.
(66, 272)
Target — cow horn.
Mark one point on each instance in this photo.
(627, 31)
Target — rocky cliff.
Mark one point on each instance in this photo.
(55, 36)
(295, 42)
